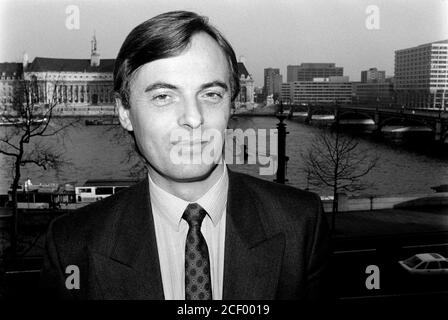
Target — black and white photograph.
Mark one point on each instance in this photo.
(224, 150)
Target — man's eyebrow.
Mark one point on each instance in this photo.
(216, 83)
(164, 85)
(160, 85)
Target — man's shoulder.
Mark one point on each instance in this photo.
(95, 218)
(270, 190)
(280, 207)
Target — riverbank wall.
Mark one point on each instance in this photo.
(363, 203)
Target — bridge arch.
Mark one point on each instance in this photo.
(353, 115)
(444, 137)
(402, 121)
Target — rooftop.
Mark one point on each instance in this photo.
(41, 64)
(425, 45)
(312, 65)
(242, 70)
(10, 69)
(109, 182)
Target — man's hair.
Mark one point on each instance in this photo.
(164, 36)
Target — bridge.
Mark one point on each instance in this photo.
(435, 120)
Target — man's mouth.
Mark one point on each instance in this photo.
(192, 143)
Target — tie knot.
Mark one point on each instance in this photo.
(194, 214)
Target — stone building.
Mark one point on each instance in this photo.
(11, 75)
(79, 86)
(246, 94)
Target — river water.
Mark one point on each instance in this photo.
(94, 152)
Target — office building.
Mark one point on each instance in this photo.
(374, 89)
(421, 75)
(286, 94)
(373, 75)
(292, 73)
(272, 82)
(309, 71)
(331, 90)
(374, 93)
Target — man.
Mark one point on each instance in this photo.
(191, 230)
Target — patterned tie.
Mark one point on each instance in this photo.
(197, 263)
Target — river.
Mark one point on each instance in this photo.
(94, 152)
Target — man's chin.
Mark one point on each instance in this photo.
(192, 172)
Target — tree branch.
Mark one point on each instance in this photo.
(8, 153)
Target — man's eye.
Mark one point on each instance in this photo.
(214, 96)
(161, 99)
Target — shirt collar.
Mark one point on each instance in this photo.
(171, 207)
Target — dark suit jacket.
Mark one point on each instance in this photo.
(276, 245)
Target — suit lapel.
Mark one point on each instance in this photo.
(253, 257)
(131, 269)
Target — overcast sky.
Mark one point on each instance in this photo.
(268, 33)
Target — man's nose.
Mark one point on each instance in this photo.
(191, 114)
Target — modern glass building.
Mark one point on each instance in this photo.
(421, 75)
(329, 90)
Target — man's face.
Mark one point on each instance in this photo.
(178, 98)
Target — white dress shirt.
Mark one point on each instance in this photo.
(171, 233)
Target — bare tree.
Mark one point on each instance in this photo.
(133, 158)
(30, 122)
(336, 161)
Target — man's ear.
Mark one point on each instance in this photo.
(123, 115)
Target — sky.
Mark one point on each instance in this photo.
(354, 34)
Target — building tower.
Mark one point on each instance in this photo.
(94, 55)
(25, 60)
